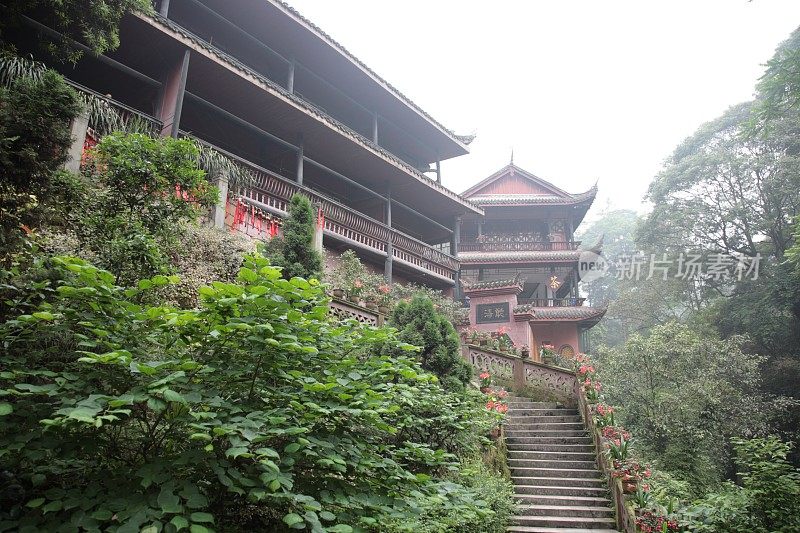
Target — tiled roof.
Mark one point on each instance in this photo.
(518, 256)
(514, 283)
(306, 105)
(532, 199)
(463, 139)
(544, 314)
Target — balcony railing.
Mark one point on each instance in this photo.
(513, 244)
(273, 192)
(552, 302)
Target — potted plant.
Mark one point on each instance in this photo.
(384, 299)
(525, 352)
(483, 340)
(338, 293)
(354, 293)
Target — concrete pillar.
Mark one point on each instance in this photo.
(375, 128)
(172, 93)
(438, 172)
(218, 211)
(78, 132)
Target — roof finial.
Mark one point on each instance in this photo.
(512, 155)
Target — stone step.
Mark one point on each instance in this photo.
(524, 411)
(555, 472)
(528, 529)
(564, 521)
(552, 463)
(527, 453)
(545, 426)
(558, 490)
(529, 404)
(538, 446)
(551, 481)
(575, 511)
(562, 499)
(547, 433)
(542, 419)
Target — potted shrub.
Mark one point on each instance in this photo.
(354, 293)
(525, 352)
(384, 299)
(338, 293)
(486, 381)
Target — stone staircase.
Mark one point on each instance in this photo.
(553, 467)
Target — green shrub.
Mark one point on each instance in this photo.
(768, 499)
(142, 189)
(35, 116)
(295, 253)
(253, 413)
(419, 324)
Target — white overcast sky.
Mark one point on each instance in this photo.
(583, 91)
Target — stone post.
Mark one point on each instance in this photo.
(78, 132)
(218, 211)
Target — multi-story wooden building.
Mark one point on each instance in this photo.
(267, 87)
(519, 261)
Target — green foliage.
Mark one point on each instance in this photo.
(779, 87)
(295, 253)
(255, 412)
(440, 348)
(35, 117)
(141, 189)
(768, 499)
(684, 395)
(94, 24)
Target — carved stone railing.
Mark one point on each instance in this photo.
(273, 192)
(517, 245)
(522, 372)
(626, 519)
(552, 302)
(343, 310)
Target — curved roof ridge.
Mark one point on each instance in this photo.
(461, 139)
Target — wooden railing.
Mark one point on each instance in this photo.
(517, 245)
(552, 302)
(271, 191)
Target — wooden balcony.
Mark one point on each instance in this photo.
(516, 244)
(272, 193)
(552, 302)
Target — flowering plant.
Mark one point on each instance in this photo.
(615, 434)
(618, 448)
(486, 379)
(649, 522)
(384, 295)
(630, 471)
(356, 288)
(497, 400)
(592, 389)
(605, 415)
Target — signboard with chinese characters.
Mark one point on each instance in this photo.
(491, 313)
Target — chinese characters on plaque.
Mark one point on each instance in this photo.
(492, 313)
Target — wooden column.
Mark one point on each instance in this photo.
(163, 8)
(387, 266)
(290, 77)
(455, 238)
(299, 174)
(172, 93)
(438, 172)
(375, 128)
